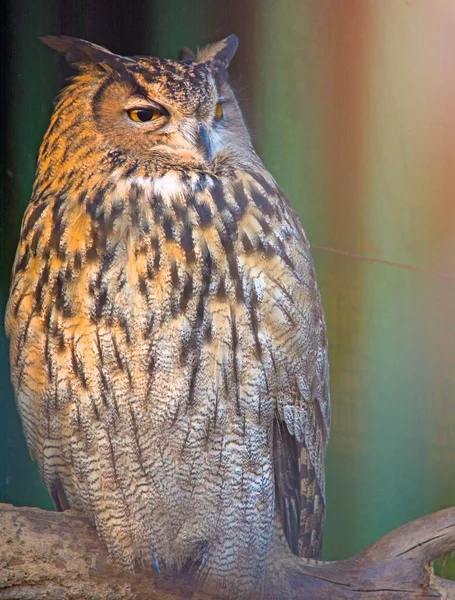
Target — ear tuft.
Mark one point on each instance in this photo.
(219, 54)
(78, 51)
(187, 55)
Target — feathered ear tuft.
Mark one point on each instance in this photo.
(219, 54)
(187, 55)
(79, 51)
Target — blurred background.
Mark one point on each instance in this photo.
(351, 105)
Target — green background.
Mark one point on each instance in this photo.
(350, 104)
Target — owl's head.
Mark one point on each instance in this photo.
(142, 106)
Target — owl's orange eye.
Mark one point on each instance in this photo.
(219, 113)
(142, 115)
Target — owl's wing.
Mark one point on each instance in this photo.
(297, 343)
(299, 496)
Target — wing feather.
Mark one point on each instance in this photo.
(294, 319)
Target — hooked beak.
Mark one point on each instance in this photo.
(203, 143)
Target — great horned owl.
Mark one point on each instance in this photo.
(168, 344)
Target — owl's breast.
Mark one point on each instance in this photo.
(178, 286)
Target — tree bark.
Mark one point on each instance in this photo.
(58, 555)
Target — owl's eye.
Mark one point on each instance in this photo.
(219, 113)
(142, 115)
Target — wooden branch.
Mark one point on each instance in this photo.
(58, 555)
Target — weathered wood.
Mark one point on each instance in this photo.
(58, 555)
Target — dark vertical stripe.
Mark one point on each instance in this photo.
(234, 345)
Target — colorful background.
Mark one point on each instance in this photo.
(351, 104)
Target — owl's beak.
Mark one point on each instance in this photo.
(203, 143)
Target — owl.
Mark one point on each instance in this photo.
(168, 344)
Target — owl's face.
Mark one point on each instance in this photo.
(143, 106)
